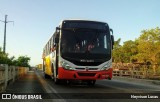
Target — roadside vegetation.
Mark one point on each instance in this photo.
(143, 50)
(20, 61)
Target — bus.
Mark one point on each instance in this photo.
(79, 50)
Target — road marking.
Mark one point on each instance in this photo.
(48, 88)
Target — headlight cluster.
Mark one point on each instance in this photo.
(106, 67)
(66, 66)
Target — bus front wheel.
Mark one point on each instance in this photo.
(56, 80)
(46, 76)
(91, 82)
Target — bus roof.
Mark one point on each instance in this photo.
(81, 20)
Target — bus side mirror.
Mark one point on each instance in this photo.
(112, 38)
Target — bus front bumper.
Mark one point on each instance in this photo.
(84, 75)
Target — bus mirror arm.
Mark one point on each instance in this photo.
(57, 28)
(111, 30)
(57, 35)
(112, 38)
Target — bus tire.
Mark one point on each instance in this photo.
(91, 82)
(46, 76)
(56, 81)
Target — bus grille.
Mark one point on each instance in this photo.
(85, 69)
(87, 74)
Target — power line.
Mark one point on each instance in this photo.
(5, 26)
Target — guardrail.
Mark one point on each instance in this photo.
(8, 74)
(141, 71)
(132, 74)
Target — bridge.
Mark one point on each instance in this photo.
(22, 84)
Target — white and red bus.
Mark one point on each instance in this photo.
(79, 50)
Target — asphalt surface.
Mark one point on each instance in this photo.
(104, 90)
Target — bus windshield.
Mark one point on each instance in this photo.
(89, 44)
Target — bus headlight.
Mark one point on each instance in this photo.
(66, 66)
(106, 67)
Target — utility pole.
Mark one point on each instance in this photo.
(5, 25)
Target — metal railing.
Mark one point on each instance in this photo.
(8, 74)
(128, 73)
(141, 71)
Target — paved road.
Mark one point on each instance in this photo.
(104, 91)
(105, 88)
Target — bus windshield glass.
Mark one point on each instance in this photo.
(85, 43)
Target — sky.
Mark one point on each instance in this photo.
(36, 20)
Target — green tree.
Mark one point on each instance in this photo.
(4, 57)
(117, 54)
(149, 46)
(129, 49)
(144, 49)
(22, 61)
(126, 52)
